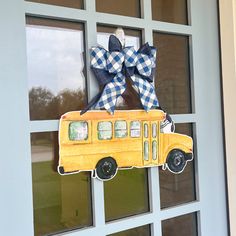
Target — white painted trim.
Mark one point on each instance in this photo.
(228, 63)
(16, 201)
(137, 221)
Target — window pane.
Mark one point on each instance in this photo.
(154, 130)
(145, 131)
(120, 129)
(104, 135)
(154, 150)
(135, 125)
(139, 231)
(105, 126)
(55, 54)
(120, 125)
(65, 3)
(135, 129)
(120, 133)
(172, 75)
(61, 203)
(185, 225)
(146, 150)
(104, 130)
(173, 11)
(121, 7)
(126, 194)
(78, 130)
(176, 189)
(129, 99)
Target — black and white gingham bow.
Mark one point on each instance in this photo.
(113, 66)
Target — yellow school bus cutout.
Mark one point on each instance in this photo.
(103, 143)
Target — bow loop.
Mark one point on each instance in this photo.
(114, 62)
(144, 65)
(98, 58)
(112, 67)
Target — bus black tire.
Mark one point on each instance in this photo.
(176, 161)
(106, 168)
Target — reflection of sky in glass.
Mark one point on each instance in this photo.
(55, 58)
(102, 39)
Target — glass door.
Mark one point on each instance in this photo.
(53, 43)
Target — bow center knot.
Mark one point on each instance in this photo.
(131, 56)
(114, 62)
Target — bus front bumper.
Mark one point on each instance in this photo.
(188, 156)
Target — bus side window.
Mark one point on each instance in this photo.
(78, 130)
(135, 129)
(104, 130)
(120, 129)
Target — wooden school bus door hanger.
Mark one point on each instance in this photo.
(103, 141)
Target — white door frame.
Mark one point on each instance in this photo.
(228, 63)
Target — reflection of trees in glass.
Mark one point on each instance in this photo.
(39, 101)
(44, 105)
(63, 205)
(41, 139)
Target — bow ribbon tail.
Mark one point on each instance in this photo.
(111, 92)
(91, 103)
(147, 93)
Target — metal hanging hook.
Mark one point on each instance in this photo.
(120, 34)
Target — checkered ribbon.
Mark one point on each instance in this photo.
(114, 66)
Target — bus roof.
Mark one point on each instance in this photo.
(118, 114)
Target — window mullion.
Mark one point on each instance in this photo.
(92, 88)
(154, 186)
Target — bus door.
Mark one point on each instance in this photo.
(150, 143)
(154, 141)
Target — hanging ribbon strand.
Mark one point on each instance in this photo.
(112, 67)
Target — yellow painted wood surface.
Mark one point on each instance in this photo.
(128, 151)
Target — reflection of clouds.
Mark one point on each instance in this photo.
(55, 58)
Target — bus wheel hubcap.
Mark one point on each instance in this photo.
(107, 167)
(177, 160)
